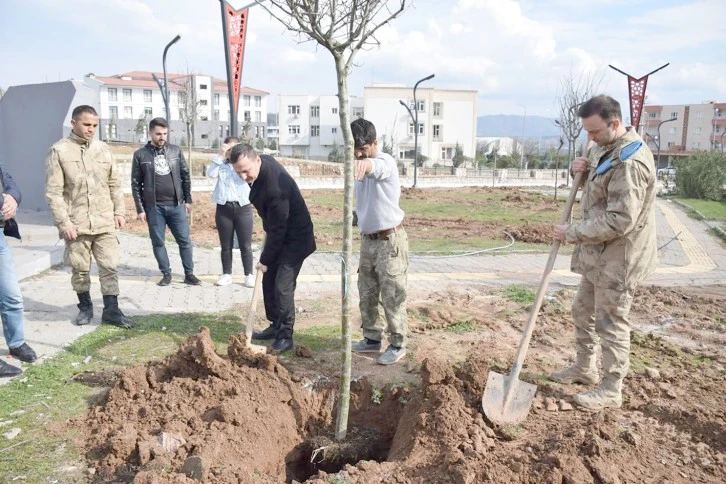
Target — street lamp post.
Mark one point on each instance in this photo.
(722, 133)
(165, 87)
(657, 141)
(521, 155)
(415, 127)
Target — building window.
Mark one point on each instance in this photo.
(181, 97)
(670, 144)
(652, 115)
(314, 131)
(221, 131)
(248, 116)
(148, 112)
(699, 114)
(205, 136)
(110, 131)
(447, 153)
(203, 87)
(112, 94)
(127, 95)
(335, 110)
(204, 118)
(258, 101)
(672, 130)
(420, 129)
(293, 129)
(215, 115)
(421, 106)
(357, 113)
(113, 112)
(147, 95)
(697, 130)
(674, 115)
(216, 99)
(334, 130)
(293, 109)
(314, 111)
(128, 112)
(247, 100)
(436, 131)
(696, 145)
(258, 117)
(437, 109)
(202, 102)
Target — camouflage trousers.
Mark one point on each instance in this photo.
(382, 276)
(601, 316)
(105, 249)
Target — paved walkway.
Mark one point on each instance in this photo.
(688, 256)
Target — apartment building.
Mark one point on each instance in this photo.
(309, 126)
(680, 129)
(445, 118)
(130, 100)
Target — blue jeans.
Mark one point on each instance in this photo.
(175, 216)
(11, 300)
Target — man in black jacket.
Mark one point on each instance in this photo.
(11, 300)
(162, 190)
(289, 238)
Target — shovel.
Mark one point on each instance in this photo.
(506, 399)
(251, 315)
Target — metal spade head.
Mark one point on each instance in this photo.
(507, 401)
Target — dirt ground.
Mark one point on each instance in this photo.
(419, 227)
(245, 418)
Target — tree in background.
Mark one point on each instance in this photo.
(189, 107)
(458, 159)
(343, 28)
(702, 175)
(336, 155)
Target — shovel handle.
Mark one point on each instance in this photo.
(524, 344)
(253, 305)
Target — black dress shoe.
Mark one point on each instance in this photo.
(282, 344)
(269, 333)
(192, 280)
(165, 281)
(24, 353)
(7, 370)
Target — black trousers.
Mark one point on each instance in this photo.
(232, 218)
(278, 289)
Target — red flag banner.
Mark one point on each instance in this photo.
(236, 31)
(637, 97)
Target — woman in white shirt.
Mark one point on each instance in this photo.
(233, 215)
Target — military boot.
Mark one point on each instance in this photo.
(607, 395)
(85, 307)
(583, 370)
(113, 315)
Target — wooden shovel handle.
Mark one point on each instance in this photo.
(253, 305)
(524, 344)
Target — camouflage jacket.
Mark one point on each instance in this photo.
(616, 246)
(83, 186)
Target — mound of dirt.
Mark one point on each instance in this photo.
(534, 233)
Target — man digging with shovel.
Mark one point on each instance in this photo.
(616, 249)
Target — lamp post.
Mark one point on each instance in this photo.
(722, 133)
(165, 87)
(521, 156)
(415, 127)
(657, 141)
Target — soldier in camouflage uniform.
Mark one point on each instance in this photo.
(383, 269)
(84, 192)
(616, 249)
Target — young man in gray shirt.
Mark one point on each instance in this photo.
(383, 265)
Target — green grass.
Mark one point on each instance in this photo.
(519, 293)
(461, 327)
(710, 209)
(48, 395)
(320, 337)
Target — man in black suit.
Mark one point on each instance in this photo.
(289, 237)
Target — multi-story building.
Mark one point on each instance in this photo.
(309, 126)
(130, 100)
(680, 129)
(445, 118)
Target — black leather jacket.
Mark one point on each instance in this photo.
(142, 176)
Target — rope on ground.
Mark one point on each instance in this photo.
(674, 238)
(466, 254)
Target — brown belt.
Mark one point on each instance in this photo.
(383, 234)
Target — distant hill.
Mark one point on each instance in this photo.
(511, 125)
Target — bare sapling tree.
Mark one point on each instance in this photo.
(343, 28)
(574, 89)
(189, 107)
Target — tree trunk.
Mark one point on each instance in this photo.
(341, 424)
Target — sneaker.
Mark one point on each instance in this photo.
(366, 346)
(224, 280)
(192, 280)
(24, 353)
(391, 355)
(165, 280)
(249, 280)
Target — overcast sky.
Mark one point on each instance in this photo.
(512, 52)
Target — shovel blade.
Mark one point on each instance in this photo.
(507, 401)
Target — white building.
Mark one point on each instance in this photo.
(130, 100)
(503, 145)
(446, 118)
(309, 126)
